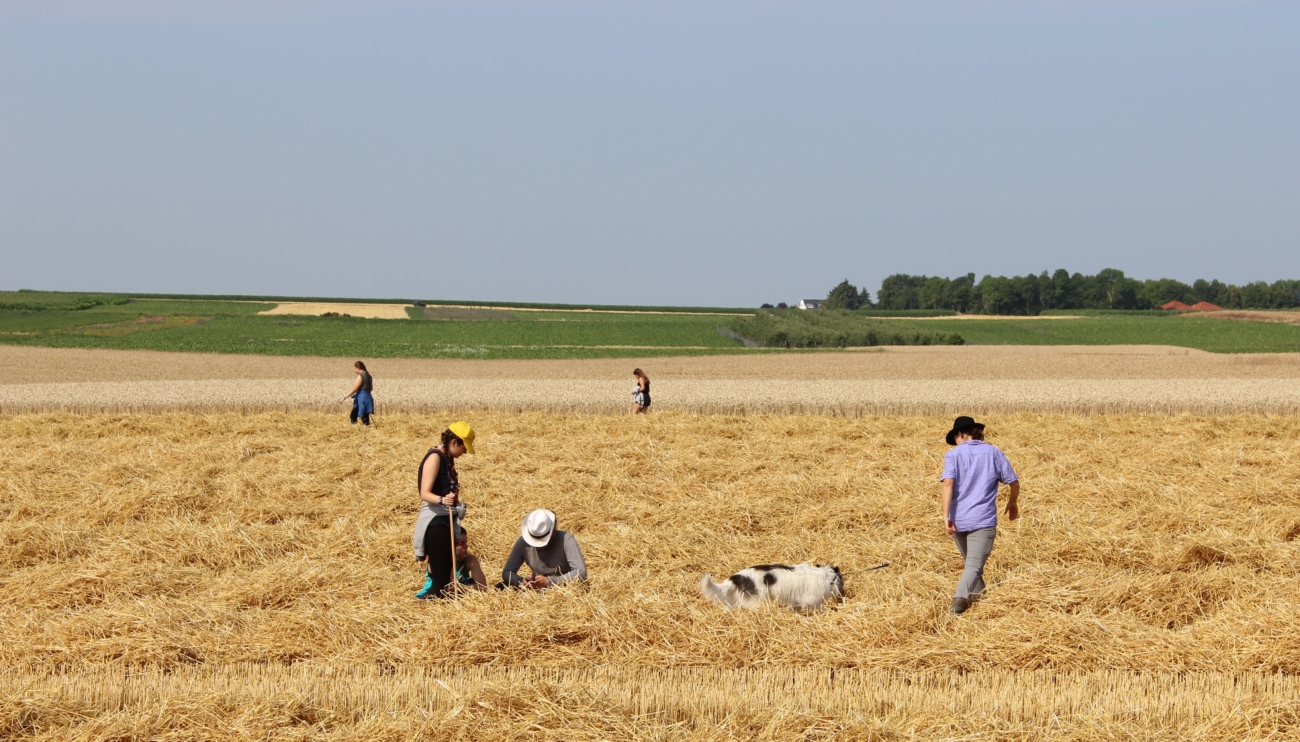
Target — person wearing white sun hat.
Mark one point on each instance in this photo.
(553, 555)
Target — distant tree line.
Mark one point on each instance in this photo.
(1032, 294)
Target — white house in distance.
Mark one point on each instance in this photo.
(810, 303)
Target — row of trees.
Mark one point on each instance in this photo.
(1031, 294)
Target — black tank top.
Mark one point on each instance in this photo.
(367, 383)
(446, 482)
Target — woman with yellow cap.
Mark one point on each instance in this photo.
(442, 510)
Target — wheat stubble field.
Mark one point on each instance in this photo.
(246, 574)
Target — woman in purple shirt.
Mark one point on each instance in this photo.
(971, 473)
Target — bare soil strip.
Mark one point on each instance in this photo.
(27, 365)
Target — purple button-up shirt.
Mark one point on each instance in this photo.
(975, 468)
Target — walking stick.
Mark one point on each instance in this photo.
(451, 517)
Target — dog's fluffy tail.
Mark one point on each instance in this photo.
(713, 590)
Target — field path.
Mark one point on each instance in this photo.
(916, 380)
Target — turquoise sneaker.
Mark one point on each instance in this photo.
(424, 592)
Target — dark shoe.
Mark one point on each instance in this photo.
(959, 605)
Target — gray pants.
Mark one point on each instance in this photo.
(975, 547)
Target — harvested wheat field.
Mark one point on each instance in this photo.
(373, 311)
(249, 576)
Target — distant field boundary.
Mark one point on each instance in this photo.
(454, 303)
(907, 312)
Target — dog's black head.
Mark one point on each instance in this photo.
(835, 578)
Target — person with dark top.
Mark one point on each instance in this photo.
(640, 392)
(553, 556)
(441, 508)
(363, 402)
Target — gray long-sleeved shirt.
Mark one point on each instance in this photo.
(560, 560)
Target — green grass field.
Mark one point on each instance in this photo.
(211, 325)
(1188, 331)
(234, 327)
(828, 328)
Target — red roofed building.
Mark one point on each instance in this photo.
(1205, 306)
(1176, 305)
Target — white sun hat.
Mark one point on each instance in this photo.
(538, 527)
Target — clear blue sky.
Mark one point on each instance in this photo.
(704, 153)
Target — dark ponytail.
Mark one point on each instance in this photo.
(449, 463)
(360, 365)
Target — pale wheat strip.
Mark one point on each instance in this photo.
(834, 397)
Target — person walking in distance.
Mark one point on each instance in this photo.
(363, 402)
(971, 473)
(441, 509)
(640, 392)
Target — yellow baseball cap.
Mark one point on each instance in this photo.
(465, 433)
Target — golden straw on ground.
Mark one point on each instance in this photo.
(230, 563)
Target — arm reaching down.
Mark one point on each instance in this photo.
(1007, 476)
(510, 573)
(355, 388)
(946, 505)
(476, 572)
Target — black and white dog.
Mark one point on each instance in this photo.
(803, 587)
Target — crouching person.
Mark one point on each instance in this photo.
(469, 572)
(553, 556)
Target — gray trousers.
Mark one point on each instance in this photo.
(975, 547)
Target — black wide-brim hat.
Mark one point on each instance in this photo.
(962, 423)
